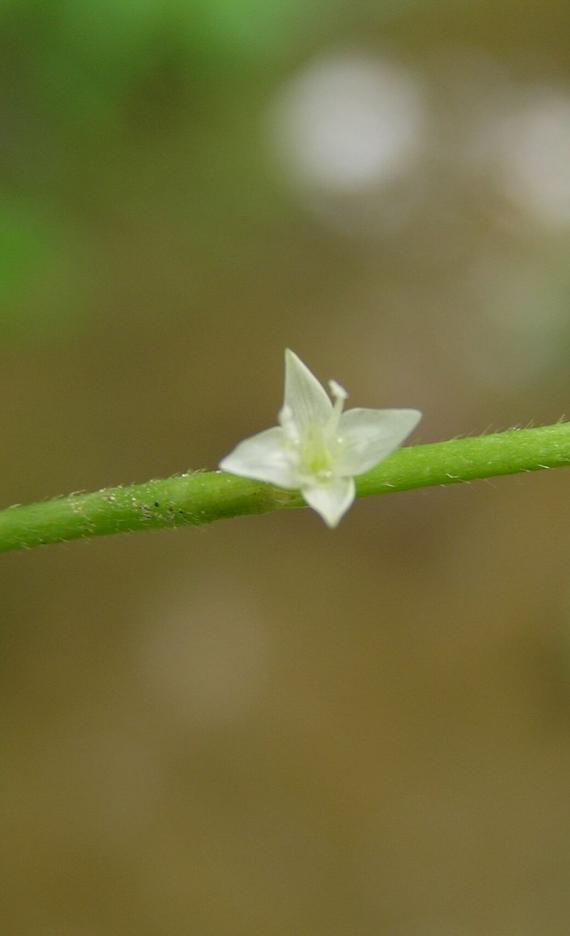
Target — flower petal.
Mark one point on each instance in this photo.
(368, 436)
(263, 457)
(330, 500)
(305, 398)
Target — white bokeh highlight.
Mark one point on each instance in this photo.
(348, 122)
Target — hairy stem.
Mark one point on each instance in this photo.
(200, 497)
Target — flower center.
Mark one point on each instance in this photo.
(315, 447)
(315, 457)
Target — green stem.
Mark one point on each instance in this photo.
(200, 497)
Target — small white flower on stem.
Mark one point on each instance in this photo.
(317, 447)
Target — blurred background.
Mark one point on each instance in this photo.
(263, 727)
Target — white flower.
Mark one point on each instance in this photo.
(317, 447)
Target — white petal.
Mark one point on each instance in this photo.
(368, 436)
(305, 399)
(264, 458)
(330, 500)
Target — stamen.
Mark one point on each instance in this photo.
(338, 392)
(289, 424)
(340, 395)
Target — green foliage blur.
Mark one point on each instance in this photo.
(75, 75)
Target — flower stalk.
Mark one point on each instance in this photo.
(202, 497)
